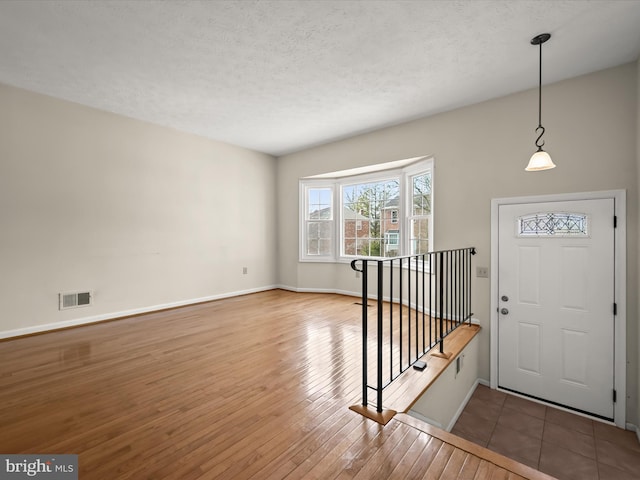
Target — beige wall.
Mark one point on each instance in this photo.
(480, 153)
(140, 214)
(442, 403)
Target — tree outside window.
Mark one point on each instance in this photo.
(367, 202)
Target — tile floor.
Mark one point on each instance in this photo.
(553, 441)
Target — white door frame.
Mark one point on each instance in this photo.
(620, 261)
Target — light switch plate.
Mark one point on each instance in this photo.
(482, 272)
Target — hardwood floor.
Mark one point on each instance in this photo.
(247, 387)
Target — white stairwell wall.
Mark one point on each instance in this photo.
(443, 402)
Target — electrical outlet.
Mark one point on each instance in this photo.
(482, 272)
(245, 270)
(357, 274)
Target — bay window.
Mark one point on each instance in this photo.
(383, 214)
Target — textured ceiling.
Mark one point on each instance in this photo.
(280, 76)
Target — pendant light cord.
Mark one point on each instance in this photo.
(540, 144)
(540, 90)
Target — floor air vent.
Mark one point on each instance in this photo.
(74, 300)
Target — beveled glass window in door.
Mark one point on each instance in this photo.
(553, 224)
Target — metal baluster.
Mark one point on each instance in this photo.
(441, 284)
(380, 306)
(416, 308)
(424, 306)
(391, 320)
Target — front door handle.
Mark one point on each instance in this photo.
(504, 311)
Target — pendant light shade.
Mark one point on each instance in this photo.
(540, 160)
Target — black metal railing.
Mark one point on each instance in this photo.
(420, 300)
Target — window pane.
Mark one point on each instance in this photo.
(312, 246)
(391, 243)
(350, 246)
(319, 204)
(549, 224)
(319, 238)
(364, 248)
(324, 247)
(421, 194)
(367, 217)
(419, 236)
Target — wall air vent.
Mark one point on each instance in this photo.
(74, 300)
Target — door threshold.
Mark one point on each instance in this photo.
(559, 406)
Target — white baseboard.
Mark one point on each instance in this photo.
(428, 420)
(124, 313)
(319, 290)
(633, 428)
(474, 320)
(462, 405)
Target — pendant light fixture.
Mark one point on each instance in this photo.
(540, 160)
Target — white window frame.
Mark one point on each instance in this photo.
(304, 205)
(337, 181)
(410, 172)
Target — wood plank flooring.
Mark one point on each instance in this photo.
(248, 387)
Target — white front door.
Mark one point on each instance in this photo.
(556, 302)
